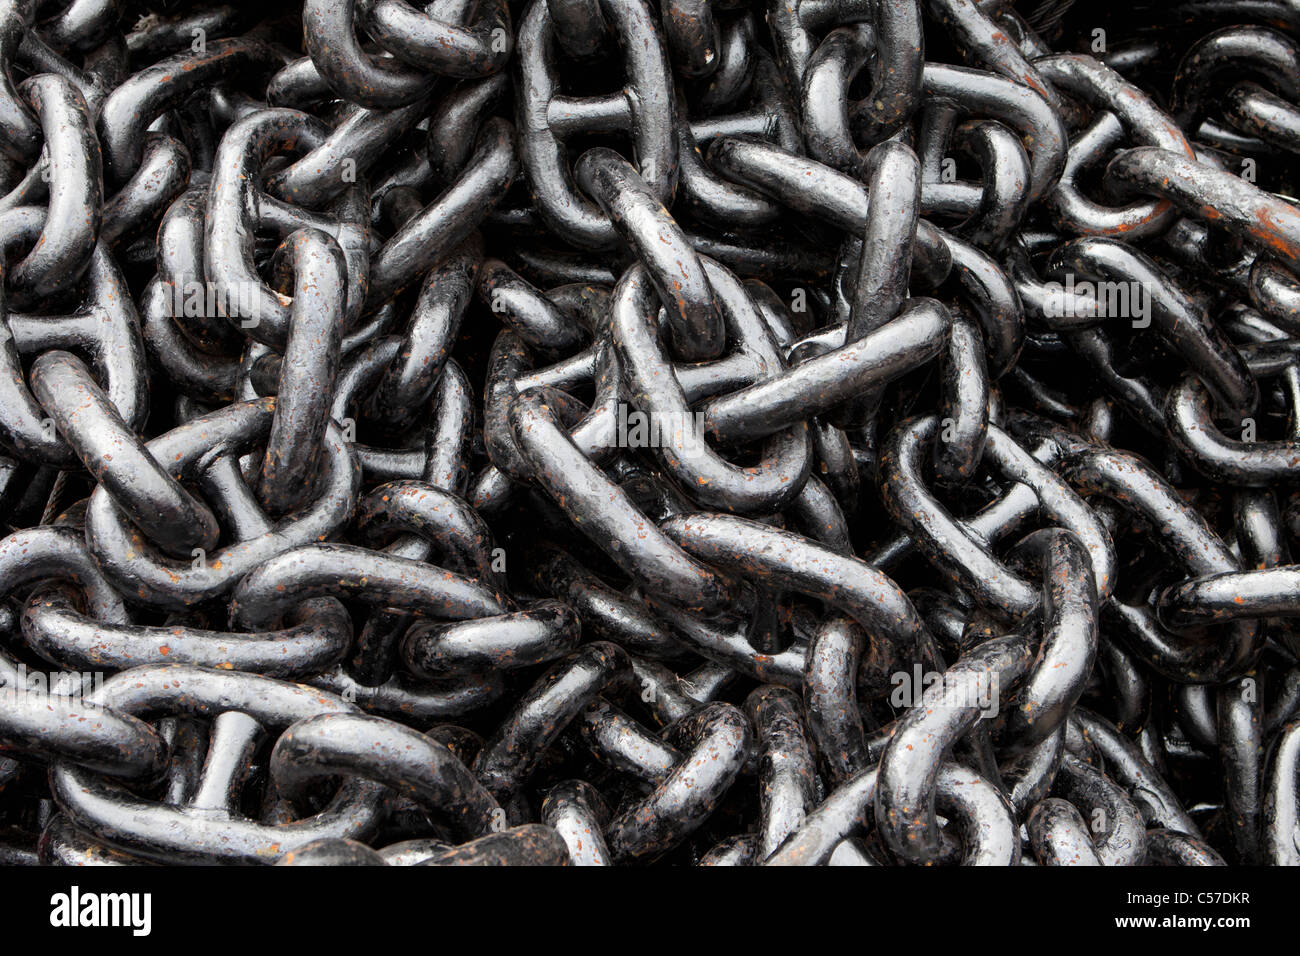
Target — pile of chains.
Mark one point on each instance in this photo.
(723, 432)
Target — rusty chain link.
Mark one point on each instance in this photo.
(609, 432)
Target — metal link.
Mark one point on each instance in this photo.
(672, 433)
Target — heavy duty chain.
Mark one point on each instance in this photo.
(597, 432)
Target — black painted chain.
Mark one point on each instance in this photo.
(594, 432)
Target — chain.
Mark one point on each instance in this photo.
(604, 432)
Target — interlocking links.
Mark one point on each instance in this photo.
(615, 432)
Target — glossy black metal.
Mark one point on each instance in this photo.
(651, 433)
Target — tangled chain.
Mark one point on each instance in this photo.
(598, 432)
